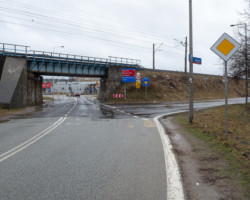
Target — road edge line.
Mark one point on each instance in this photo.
(175, 190)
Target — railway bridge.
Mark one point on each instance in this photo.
(21, 71)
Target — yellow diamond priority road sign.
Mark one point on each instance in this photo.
(225, 47)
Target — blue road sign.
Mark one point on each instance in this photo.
(128, 79)
(145, 81)
(197, 60)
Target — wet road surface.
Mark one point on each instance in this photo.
(76, 148)
(85, 152)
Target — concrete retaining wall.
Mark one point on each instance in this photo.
(17, 88)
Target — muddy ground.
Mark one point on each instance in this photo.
(199, 164)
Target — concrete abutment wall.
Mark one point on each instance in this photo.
(111, 83)
(18, 88)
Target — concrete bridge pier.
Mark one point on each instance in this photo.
(18, 88)
(34, 89)
(111, 82)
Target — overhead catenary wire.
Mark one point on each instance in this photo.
(66, 15)
(68, 22)
(91, 32)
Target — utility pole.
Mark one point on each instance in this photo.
(153, 56)
(246, 58)
(191, 103)
(154, 51)
(185, 56)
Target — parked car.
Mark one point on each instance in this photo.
(77, 95)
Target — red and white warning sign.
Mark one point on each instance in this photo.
(138, 76)
(117, 96)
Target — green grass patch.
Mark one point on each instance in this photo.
(209, 126)
(48, 98)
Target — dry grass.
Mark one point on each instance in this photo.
(212, 122)
(209, 125)
(4, 111)
(166, 86)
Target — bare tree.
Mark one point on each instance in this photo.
(239, 66)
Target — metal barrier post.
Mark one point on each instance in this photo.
(26, 51)
(33, 56)
(43, 57)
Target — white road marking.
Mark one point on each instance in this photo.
(174, 182)
(31, 141)
(35, 138)
(122, 111)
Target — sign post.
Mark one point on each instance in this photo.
(225, 47)
(138, 80)
(125, 91)
(145, 82)
(128, 76)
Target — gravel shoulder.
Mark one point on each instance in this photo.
(200, 166)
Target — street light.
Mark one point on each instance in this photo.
(246, 58)
(154, 51)
(53, 67)
(57, 47)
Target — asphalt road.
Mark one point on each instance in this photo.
(76, 148)
(95, 153)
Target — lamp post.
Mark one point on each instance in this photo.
(191, 102)
(246, 58)
(53, 67)
(154, 51)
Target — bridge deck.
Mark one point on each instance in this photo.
(51, 63)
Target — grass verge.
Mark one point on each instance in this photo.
(5, 111)
(48, 98)
(209, 126)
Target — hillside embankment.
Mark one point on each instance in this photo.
(170, 86)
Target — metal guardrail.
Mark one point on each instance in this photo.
(13, 49)
(122, 60)
(43, 56)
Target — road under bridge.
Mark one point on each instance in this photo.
(21, 72)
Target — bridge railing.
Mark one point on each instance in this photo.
(13, 49)
(122, 60)
(23, 51)
(63, 58)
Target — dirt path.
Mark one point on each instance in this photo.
(199, 166)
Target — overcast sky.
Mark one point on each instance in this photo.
(122, 28)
